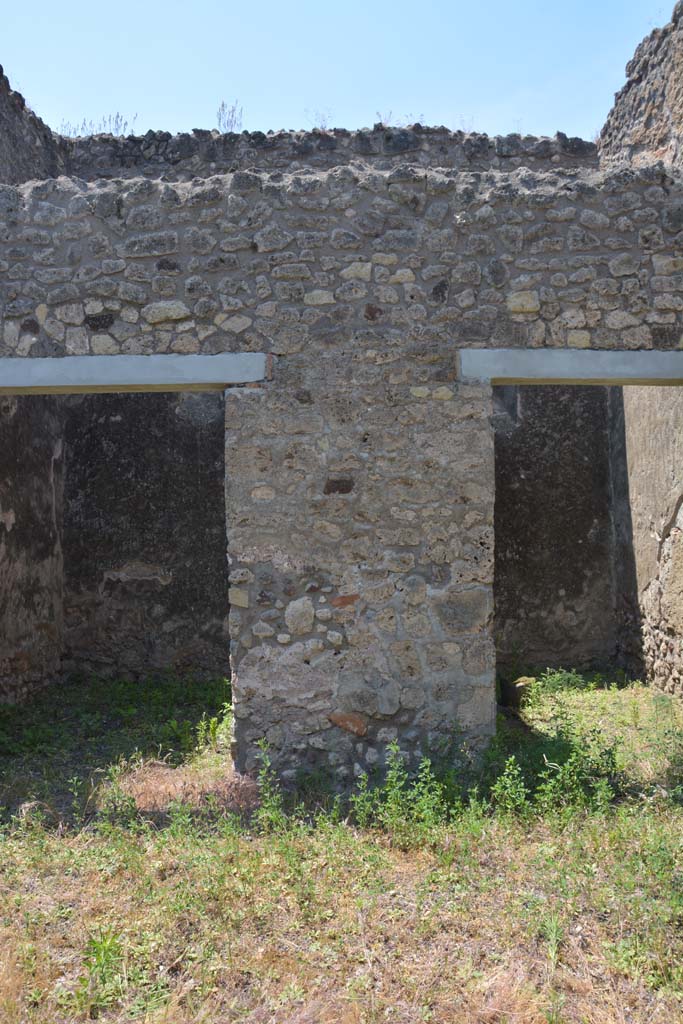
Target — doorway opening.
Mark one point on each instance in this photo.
(113, 535)
(144, 539)
(113, 573)
(588, 526)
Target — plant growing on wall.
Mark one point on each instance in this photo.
(109, 124)
(229, 118)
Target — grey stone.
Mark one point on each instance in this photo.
(159, 312)
(299, 616)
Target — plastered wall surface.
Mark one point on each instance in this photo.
(554, 581)
(653, 420)
(145, 569)
(31, 562)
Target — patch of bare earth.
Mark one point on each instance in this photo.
(156, 786)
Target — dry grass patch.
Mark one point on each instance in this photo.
(327, 924)
(156, 786)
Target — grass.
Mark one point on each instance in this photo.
(57, 751)
(547, 888)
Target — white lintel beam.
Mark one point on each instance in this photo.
(74, 374)
(570, 366)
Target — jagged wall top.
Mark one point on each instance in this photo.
(204, 153)
(29, 150)
(645, 125)
(646, 122)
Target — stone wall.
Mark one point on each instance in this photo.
(31, 484)
(145, 569)
(554, 589)
(653, 419)
(646, 122)
(205, 153)
(28, 149)
(294, 264)
(360, 537)
(360, 476)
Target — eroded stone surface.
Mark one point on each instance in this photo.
(28, 149)
(646, 122)
(299, 616)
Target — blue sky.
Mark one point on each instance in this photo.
(535, 66)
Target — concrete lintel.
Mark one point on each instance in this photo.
(570, 366)
(73, 374)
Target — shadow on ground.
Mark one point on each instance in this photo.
(158, 743)
(57, 747)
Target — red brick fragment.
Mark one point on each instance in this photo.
(343, 600)
(350, 722)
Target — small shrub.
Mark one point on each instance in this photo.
(180, 819)
(392, 804)
(408, 808)
(587, 779)
(552, 931)
(427, 800)
(390, 120)
(213, 732)
(109, 124)
(509, 792)
(559, 680)
(177, 734)
(320, 119)
(104, 982)
(117, 808)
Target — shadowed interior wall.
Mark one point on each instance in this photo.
(144, 534)
(31, 484)
(554, 590)
(629, 648)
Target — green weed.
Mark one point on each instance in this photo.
(509, 792)
(270, 815)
